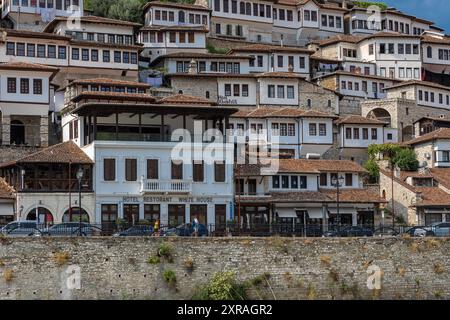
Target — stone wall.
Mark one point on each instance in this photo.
(11, 153)
(117, 268)
(196, 87)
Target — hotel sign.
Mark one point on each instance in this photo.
(166, 199)
(226, 100)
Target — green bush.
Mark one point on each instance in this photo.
(170, 277)
(222, 286)
(406, 160)
(372, 168)
(166, 250)
(154, 260)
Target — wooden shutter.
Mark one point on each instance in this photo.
(219, 171)
(177, 170)
(130, 169)
(109, 169)
(198, 171)
(152, 169)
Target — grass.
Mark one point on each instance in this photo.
(170, 277)
(153, 260)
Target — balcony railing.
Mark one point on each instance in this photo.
(168, 186)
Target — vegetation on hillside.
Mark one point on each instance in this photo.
(366, 4)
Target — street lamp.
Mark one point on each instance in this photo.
(79, 177)
(338, 181)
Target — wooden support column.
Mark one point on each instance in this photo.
(140, 126)
(117, 126)
(163, 132)
(95, 127)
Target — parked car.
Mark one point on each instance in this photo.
(71, 229)
(350, 231)
(440, 229)
(21, 229)
(419, 232)
(186, 230)
(386, 232)
(136, 231)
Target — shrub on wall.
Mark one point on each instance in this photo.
(222, 286)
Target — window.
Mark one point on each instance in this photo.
(21, 49)
(94, 55)
(152, 169)
(280, 61)
(401, 48)
(415, 49)
(245, 90)
(12, 86)
(280, 92)
(348, 133)
(420, 95)
(338, 22)
(374, 134)
(41, 51)
(401, 73)
(303, 182)
(10, 49)
(364, 86)
(260, 61)
(283, 129)
(117, 56)
(276, 182)
(172, 37)
(355, 133)
(24, 86)
(289, 15)
(106, 56)
(31, 50)
(177, 170)
(312, 129)
(191, 37)
(365, 132)
(152, 212)
(37, 86)
(285, 182)
(198, 171)
(322, 129)
(408, 48)
(324, 20)
(109, 169)
(85, 54)
(236, 89)
(343, 85)
(382, 48)
(429, 52)
(291, 129)
(219, 171)
(391, 48)
(302, 63)
(348, 179)
(307, 15)
(271, 91)
(323, 179)
(62, 52)
(130, 169)
(314, 16)
(227, 90)
(290, 92)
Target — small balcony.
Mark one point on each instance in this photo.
(166, 186)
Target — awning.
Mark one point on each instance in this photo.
(6, 209)
(315, 213)
(342, 211)
(286, 213)
(441, 211)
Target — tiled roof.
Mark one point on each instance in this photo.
(355, 119)
(300, 166)
(33, 34)
(385, 34)
(285, 112)
(65, 152)
(280, 75)
(348, 73)
(259, 47)
(6, 191)
(184, 99)
(175, 28)
(210, 75)
(124, 96)
(418, 83)
(91, 19)
(340, 38)
(441, 133)
(109, 81)
(433, 119)
(441, 175)
(354, 195)
(433, 196)
(436, 40)
(176, 5)
(27, 66)
(331, 6)
(198, 55)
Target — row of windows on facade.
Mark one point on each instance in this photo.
(214, 66)
(430, 97)
(402, 73)
(152, 172)
(164, 15)
(259, 59)
(355, 86)
(101, 37)
(389, 48)
(152, 213)
(50, 4)
(49, 51)
(301, 182)
(265, 11)
(237, 90)
(443, 54)
(353, 133)
(158, 37)
(24, 86)
(355, 69)
(280, 129)
(386, 24)
(104, 88)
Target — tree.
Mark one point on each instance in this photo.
(372, 168)
(406, 160)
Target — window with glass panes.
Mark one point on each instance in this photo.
(152, 212)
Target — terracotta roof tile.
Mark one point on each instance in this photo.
(280, 75)
(273, 112)
(441, 133)
(32, 34)
(175, 28)
(348, 73)
(124, 96)
(441, 175)
(92, 19)
(109, 81)
(176, 5)
(354, 195)
(340, 38)
(386, 34)
(433, 196)
(184, 99)
(259, 47)
(59, 153)
(355, 119)
(436, 39)
(15, 65)
(6, 191)
(418, 83)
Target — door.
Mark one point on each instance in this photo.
(131, 213)
(201, 213)
(176, 215)
(17, 132)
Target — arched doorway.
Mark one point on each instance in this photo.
(43, 216)
(381, 115)
(17, 132)
(75, 215)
